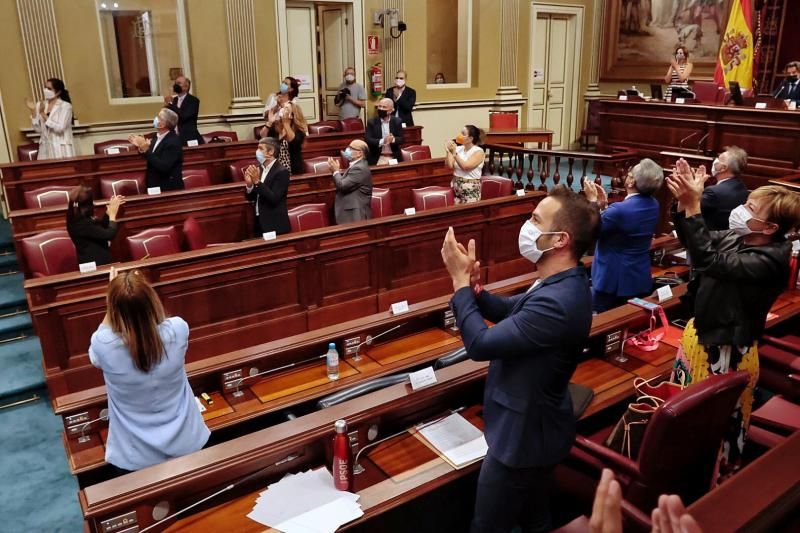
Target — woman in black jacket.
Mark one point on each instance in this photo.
(91, 235)
(739, 274)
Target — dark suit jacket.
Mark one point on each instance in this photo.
(404, 104)
(374, 134)
(719, 200)
(187, 118)
(165, 163)
(91, 237)
(621, 263)
(533, 348)
(786, 92)
(353, 193)
(270, 194)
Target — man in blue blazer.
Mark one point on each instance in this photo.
(728, 193)
(621, 265)
(534, 347)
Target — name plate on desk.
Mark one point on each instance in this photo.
(87, 267)
(761, 105)
(192, 142)
(400, 307)
(520, 192)
(664, 293)
(112, 151)
(410, 211)
(623, 97)
(269, 236)
(392, 161)
(153, 190)
(422, 378)
(680, 100)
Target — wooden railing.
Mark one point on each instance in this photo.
(532, 169)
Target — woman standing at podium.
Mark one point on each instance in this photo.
(152, 413)
(679, 71)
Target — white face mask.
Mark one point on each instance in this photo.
(737, 221)
(349, 78)
(528, 235)
(155, 122)
(399, 82)
(49, 94)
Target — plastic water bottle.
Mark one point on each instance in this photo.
(332, 359)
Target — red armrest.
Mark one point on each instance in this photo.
(619, 463)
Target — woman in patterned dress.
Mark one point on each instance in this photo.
(679, 71)
(465, 157)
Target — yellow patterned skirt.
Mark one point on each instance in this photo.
(696, 362)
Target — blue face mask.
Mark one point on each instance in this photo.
(261, 157)
(348, 154)
(155, 122)
(284, 88)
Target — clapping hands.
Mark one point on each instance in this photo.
(251, 176)
(459, 261)
(334, 164)
(687, 186)
(595, 193)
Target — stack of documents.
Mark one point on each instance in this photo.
(455, 439)
(306, 503)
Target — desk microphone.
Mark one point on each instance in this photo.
(237, 393)
(702, 141)
(680, 144)
(370, 339)
(103, 416)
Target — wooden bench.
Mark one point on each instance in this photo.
(222, 210)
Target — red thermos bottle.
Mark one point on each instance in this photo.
(342, 458)
(793, 266)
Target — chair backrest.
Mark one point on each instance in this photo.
(381, 202)
(27, 152)
(593, 116)
(49, 253)
(154, 242)
(257, 131)
(236, 168)
(47, 196)
(124, 183)
(324, 126)
(114, 146)
(308, 216)
(680, 446)
(220, 136)
(432, 197)
(196, 177)
(416, 152)
(195, 240)
(495, 187)
(317, 165)
(352, 124)
(503, 120)
(706, 91)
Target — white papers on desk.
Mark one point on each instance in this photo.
(458, 441)
(681, 254)
(306, 503)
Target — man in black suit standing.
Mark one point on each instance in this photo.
(384, 135)
(729, 192)
(266, 186)
(187, 106)
(164, 154)
(789, 89)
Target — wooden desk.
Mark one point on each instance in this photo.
(296, 283)
(520, 136)
(222, 211)
(770, 137)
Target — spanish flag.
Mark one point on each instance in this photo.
(736, 59)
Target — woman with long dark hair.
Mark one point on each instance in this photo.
(52, 119)
(152, 413)
(91, 235)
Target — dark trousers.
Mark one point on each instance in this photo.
(508, 497)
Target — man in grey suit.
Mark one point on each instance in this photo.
(354, 185)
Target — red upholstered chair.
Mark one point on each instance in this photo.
(47, 196)
(778, 362)
(708, 92)
(592, 124)
(50, 253)
(503, 120)
(308, 216)
(195, 240)
(114, 146)
(381, 202)
(27, 152)
(432, 197)
(416, 152)
(257, 131)
(125, 183)
(319, 165)
(352, 124)
(154, 242)
(680, 445)
(324, 126)
(495, 187)
(236, 168)
(196, 177)
(220, 136)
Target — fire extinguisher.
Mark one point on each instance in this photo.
(376, 79)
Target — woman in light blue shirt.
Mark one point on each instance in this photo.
(152, 413)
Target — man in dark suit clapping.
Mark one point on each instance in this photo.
(187, 106)
(384, 134)
(729, 192)
(164, 154)
(266, 186)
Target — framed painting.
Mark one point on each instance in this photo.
(640, 36)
